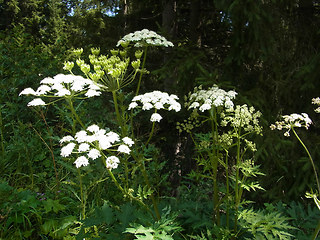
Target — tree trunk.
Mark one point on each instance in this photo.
(195, 35)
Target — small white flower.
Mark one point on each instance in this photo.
(81, 161)
(36, 102)
(42, 90)
(81, 136)
(132, 105)
(92, 93)
(104, 142)
(155, 117)
(147, 106)
(94, 154)
(113, 137)
(67, 150)
(66, 139)
(27, 91)
(112, 162)
(83, 147)
(128, 141)
(124, 149)
(93, 128)
(62, 92)
(205, 107)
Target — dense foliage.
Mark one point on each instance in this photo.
(210, 169)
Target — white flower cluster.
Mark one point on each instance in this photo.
(213, 97)
(143, 38)
(242, 117)
(91, 143)
(62, 85)
(156, 100)
(316, 101)
(291, 121)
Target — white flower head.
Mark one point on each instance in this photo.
(155, 117)
(81, 161)
(112, 162)
(156, 100)
(128, 141)
(291, 121)
(94, 154)
(36, 102)
(83, 147)
(93, 128)
(61, 86)
(213, 97)
(92, 143)
(67, 150)
(143, 38)
(27, 91)
(66, 139)
(124, 149)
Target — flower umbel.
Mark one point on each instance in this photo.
(212, 97)
(316, 101)
(143, 38)
(156, 100)
(62, 86)
(93, 143)
(290, 121)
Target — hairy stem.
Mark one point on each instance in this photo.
(309, 155)
(141, 73)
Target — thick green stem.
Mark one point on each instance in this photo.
(74, 113)
(116, 107)
(309, 155)
(227, 191)
(151, 133)
(214, 162)
(316, 232)
(141, 73)
(237, 187)
(82, 198)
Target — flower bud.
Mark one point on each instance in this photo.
(95, 51)
(124, 44)
(95, 77)
(85, 68)
(78, 52)
(80, 62)
(123, 53)
(138, 54)
(136, 64)
(114, 52)
(68, 66)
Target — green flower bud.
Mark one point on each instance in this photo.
(68, 66)
(95, 51)
(136, 64)
(95, 77)
(138, 54)
(124, 44)
(115, 73)
(85, 68)
(123, 53)
(114, 52)
(97, 67)
(78, 52)
(80, 62)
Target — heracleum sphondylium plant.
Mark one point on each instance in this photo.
(289, 123)
(107, 74)
(230, 126)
